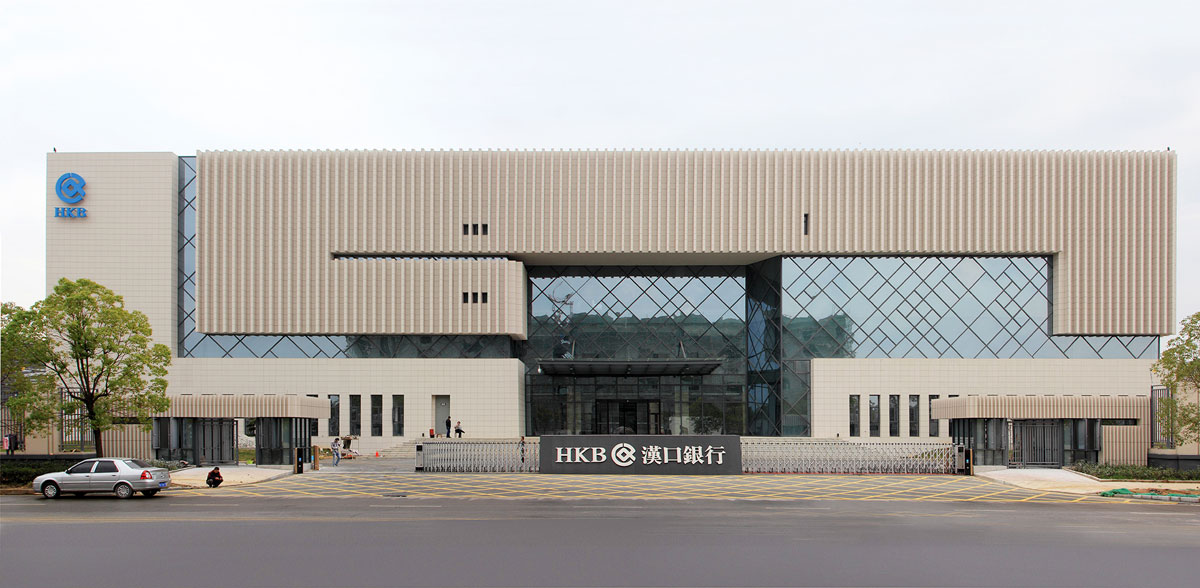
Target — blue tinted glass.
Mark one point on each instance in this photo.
(961, 307)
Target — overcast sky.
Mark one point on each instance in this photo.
(186, 76)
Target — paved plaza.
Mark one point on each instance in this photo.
(330, 483)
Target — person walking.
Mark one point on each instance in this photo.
(336, 447)
(447, 427)
(458, 429)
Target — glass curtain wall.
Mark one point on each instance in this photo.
(637, 313)
(934, 307)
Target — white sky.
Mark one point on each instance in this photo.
(186, 76)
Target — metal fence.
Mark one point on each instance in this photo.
(845, 457)
(1157, 437)
(480, 456)
(758, 456)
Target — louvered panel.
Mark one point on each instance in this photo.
(270, 221)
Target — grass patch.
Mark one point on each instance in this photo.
(245, 455)
(1125, 472)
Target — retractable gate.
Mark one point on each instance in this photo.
(1036, 444)
(758, 455)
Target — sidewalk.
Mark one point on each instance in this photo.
(248, 474)
(1068, 481)
(234, 475)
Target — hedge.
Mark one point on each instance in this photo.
(1126, 472)
(22, 472)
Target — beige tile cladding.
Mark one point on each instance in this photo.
(270, 220)
(834, 380)
(127, 242)
(485, 394)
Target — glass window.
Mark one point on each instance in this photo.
(933, 423)
(137, 463)
(355, 414)
(335, 415)
(854, 414)
(312, 423)
(894, 415)
(914, 415)
(397, 415)
(376, 415)
(1119, 422)
(932, 307)
(485, 228)
(105, 466)
(82, 467)
(873, 407)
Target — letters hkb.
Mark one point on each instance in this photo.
(581, 455)
(70, 212)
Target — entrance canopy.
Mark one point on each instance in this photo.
(638, 367)
(231, 406)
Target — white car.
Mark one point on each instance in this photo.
(120, 475)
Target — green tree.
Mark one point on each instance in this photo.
(1179, 371)
(99, 356)
(19, 344)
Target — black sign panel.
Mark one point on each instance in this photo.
(641, 454)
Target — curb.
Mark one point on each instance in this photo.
(1193, 499)
(1014, 485)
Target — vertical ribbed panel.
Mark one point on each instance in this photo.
(1119, 445)
(269, 222)
(127, 441)
(224, 406)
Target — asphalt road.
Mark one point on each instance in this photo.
(100, 541)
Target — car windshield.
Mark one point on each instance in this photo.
(137, 463)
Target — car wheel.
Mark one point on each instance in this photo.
(149, 493)
(50, 490)
(123, 491)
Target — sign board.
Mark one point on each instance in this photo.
(69, 189)
(640, 454)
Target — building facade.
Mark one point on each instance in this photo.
(829, 294)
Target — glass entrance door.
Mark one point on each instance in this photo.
(628, 417)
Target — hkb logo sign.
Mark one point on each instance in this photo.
(640, 454)
(70, 190)
(623, 455)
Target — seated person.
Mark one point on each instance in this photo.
(214, 478)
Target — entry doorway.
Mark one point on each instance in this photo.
(441, 412)
(1037, 443)
(629, 417)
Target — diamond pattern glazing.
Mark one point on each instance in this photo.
(932, 307)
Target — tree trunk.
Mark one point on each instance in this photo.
(99, 443)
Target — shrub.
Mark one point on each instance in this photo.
(1126, 472)
(170, 465)
(22, 472)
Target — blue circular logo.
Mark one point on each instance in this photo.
(70, 188)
